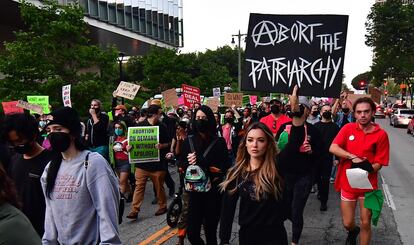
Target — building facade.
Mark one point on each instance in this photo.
(133, 26)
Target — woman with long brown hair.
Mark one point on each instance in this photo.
(13, 223)
(256, 180)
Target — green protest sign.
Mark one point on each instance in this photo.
(143, 141)
(42, 100)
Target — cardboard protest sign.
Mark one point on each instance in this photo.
(143, 141)
(191, 95)
(285, 50)
(42, 100)
(213, 103)
(66, 96)
(127, 90)
(33, 108)
(170, 98)
(233, 99)
(354, 97)
(10, 107)
(216, 92)
(253, 99)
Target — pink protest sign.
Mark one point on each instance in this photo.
(253, 99)
(10, 107)
(191, 95)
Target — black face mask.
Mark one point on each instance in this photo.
(327, 115)
(229, 120)
(97, 110)
(201, 125)
(315, 113)
(345, 110)
(23, 149)
(180, 114)
(275, 109)
(59, 141)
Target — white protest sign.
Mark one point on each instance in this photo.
(216, 92)
(127, 90)
(31, 107)
(358, 178)
(66, 95)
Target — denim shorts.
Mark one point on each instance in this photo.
(122, 165)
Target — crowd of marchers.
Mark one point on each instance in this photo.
(64, 181)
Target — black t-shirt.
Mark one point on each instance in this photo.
(26, 174)
(328, 131)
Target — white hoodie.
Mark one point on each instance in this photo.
(83, 208)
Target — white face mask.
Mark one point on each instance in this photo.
(161, 118)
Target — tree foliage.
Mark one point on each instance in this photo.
(390, 32)
(162, 69)
(366, 77)
(53, 51)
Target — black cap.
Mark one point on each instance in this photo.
(68, 118)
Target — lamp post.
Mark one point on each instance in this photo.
(239, 37)
(120, 59)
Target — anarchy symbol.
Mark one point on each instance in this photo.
(264, 33)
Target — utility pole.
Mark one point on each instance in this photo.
(239, 37)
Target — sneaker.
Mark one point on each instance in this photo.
(352, 236)
(332, 181)
(323, 207)
(132, 215)
(161, 211)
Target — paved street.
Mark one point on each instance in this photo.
(320, 227)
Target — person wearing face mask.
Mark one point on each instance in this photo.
(231, 131)
(96, 136)
(211, 154)
(122, 166)
(81, 190)
(27, 165)
(301, 165)
(345, 115)
(328, 129)
(156, 171)
(314, 115)
(276, 117)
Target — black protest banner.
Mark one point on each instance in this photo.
(285, 50)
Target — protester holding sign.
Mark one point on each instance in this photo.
(363, 145)
(97, 129)
(208, 152)
(299, 167)
(154, 170)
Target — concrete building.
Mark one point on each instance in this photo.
(132, 25)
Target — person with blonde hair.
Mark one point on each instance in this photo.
(256, 180)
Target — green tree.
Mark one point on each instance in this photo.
(54, 51)
(366, 77)
(390, 33)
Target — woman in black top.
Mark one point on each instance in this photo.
(204, 207)
(256, 180)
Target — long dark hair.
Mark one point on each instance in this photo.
(212, 131)
(8, 193)
(55, 165)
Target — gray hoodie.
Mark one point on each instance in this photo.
(83, 208)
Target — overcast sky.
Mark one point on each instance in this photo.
(209, 24)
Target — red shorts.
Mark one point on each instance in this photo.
(351, 196)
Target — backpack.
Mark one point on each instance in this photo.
(121, 207)
(195, 178)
